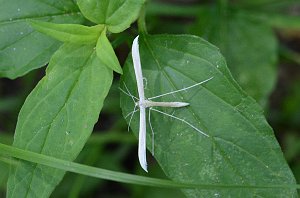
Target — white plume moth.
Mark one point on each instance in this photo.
(143, 103)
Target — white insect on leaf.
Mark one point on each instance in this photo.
(143, 103)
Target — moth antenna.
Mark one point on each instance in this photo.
(182, 120)
(128, 92)
(183, 89)
(132, 113)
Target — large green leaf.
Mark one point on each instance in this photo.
(241, 147)
(249, 47)
(21, 48)
(70, 33)
(116, 14)
(58, 117)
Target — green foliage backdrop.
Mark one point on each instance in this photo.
(219, 145)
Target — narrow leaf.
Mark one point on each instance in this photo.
(22, 49)
(70, 33)
(106, 53)
(58, 117)
(241, 147)
(117, 14)
(114, 175)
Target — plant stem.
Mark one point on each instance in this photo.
(168, 9)
(289, 54)
(142, 21)
(223, 6)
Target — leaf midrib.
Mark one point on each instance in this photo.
(23, 19)
(107, 18)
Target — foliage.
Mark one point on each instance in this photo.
(220, 145)
(18, 38)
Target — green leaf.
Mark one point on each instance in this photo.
(241, 147)
(117, 14)
(70, 33)
(106, 53)
(250, 48)
(21, 48)
(58, 117)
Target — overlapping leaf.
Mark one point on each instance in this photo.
(117, 14)
(58, 117)
(241, 147)
(21, 48)
(79, 34)
(69, 33)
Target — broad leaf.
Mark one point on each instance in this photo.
(249, 47)
(116, 14)
(70, 33)
(21, 48)
(241, 147)
(106, 53)
(58, 117)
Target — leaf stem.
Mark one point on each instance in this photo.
(142, 21)
(289, 54)
(223, 5)
(168, 9)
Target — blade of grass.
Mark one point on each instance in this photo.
(10, 151)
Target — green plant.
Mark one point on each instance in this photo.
(240, 158)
